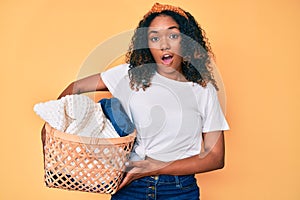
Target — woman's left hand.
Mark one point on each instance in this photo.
(139, 169)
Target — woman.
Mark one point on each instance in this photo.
(168, 90)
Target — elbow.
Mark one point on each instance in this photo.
(220, 162)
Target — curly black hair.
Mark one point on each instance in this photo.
(196, 52)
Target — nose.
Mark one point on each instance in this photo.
(164, 44)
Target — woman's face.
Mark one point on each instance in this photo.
(164, 42)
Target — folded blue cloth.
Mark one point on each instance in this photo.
(114, 111)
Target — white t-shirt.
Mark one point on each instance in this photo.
(170, 116)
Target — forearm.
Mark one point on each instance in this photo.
(193, 165)
(89, 84)
(211, 159)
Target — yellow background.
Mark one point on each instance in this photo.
(43, 44)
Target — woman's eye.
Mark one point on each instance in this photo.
(174, 36)
(154, 39)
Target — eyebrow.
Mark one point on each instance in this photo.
(170, 28)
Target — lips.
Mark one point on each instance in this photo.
(167, 59)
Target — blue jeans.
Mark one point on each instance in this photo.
(163, 187)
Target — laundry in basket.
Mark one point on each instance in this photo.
(79, 151)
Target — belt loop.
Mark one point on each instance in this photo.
(178, 184)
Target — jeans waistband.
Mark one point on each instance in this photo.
(166, 178)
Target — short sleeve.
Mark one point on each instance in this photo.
(115, 77)
(214, 119)
(117, 81)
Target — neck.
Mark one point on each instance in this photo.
(174, 75)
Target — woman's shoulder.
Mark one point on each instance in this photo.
(204, 93)
(209, 88)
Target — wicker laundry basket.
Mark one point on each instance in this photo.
(85, 164)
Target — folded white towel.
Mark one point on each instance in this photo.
(76, 114)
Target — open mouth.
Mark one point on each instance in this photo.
(167, 59)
